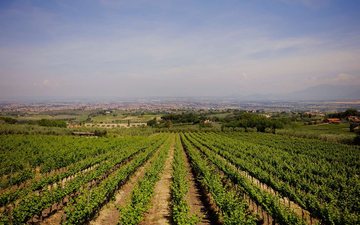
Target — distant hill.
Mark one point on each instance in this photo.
(325, 92)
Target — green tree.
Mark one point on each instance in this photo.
(8, 120)
(152, 123)
(168, 124)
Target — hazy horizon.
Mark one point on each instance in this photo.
(132, 49)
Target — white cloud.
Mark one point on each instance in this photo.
(161, 64)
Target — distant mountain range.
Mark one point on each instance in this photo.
(326, 92)
(315, 93)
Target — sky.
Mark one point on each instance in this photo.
(145, 48)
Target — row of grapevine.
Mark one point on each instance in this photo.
(331, 152)
(89, 201)
(270, 203)
(180, 188)
(303, 178)
(142, 193)
(231, 208)
(13, 194)
(33, 204)
(22, 155)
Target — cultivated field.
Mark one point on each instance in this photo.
(178, 178)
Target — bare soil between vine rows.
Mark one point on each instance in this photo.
(160, 211)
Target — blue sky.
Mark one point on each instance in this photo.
(176, 48)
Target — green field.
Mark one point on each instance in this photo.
(329, 132)
(341, 129)
(249, 177)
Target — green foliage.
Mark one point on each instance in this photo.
(52, 123)
(32, 204)
(141, 195)
(8, 120)
(345, 114)
(84, 207)
(32, 129)
(357, 138)
(182, 118)
(21, 155)
(152, 123)
(300, 169)
(179, 189)
(100, 133)
(336, 133)
(320, 177)
(232, 209)
(250, 120)
(266, 200)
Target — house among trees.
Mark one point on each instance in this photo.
(332, 120)
(354, 119)
(207, 122)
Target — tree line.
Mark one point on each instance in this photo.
(42, 122)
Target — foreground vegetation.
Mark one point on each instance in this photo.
(311, 125)
(247, 177)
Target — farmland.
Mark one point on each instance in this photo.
(178, 178)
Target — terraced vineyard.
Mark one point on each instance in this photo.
(178, 178)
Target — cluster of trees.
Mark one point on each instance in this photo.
(8, 120)
(345, 114)
(159, 123)
(42, 122)
(183, 118)
(100, 133)
(238, 119)
(250, 120)
(52, 123)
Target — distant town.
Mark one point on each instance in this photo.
(156, 104)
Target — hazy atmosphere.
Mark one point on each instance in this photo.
(124, 48)
(180, 112)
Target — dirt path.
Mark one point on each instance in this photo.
(109, 214)
(197, 207)
(54, 219)
(160, 212)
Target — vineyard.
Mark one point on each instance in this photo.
(178, 178)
